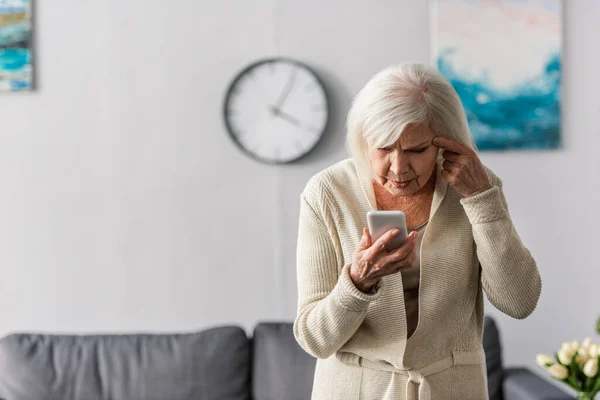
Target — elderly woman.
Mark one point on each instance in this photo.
(407, 324)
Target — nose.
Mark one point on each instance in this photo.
(400, 164)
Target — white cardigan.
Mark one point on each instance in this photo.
(469, 246)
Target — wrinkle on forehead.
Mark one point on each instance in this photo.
(414, 135)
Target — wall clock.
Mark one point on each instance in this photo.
(276, 110)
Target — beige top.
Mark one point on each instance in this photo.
(410, 282)
(365, 351)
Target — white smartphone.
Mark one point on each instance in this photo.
(380, 222)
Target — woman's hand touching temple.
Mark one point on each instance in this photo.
(462, 167)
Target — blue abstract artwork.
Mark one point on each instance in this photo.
(504, 60)
(16, 72)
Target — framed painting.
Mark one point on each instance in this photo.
(16, 71)
(504, 60)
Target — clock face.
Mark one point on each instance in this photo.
(276, 110)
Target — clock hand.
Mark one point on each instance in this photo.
(277, 112)
(286, 90)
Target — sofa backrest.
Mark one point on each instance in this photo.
(216, 364)
(493, 358)
(210, 365)
(281, 369)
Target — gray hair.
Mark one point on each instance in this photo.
(399, 96)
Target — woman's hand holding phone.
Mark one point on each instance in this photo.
(372, 261)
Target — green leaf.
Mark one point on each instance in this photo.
(589, 384)
(596, 385)
(575, 372)
(574, 382)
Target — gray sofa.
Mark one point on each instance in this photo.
(216, 364)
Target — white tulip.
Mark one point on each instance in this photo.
(586, 343)
(565, 356)
(566, 345)
(590, 368)
(582, 356)
(558, 371)
(594, 351)
(544, 360)
(575, 345)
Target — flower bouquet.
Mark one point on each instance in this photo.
(575, 365)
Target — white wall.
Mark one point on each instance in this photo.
(126, 207)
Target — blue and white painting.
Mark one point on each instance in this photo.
(16, 71)
(504, 60)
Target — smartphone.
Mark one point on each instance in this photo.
(382, 221)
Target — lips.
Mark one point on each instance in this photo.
(400, 185)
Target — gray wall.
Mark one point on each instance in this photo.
(126, 207)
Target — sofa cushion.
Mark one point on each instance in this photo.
(281, 368)
(493, 358)
(213, 364)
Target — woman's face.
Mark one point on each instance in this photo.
(406, 166)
